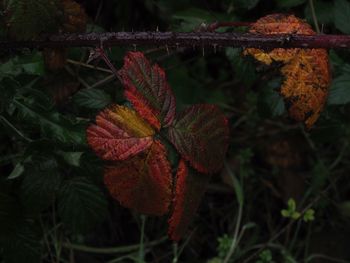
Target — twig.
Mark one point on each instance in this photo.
(188, 39)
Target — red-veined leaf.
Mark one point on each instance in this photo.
(190, 187)
(201, 134)
(119, 133)
(143, 182)
(147, 89)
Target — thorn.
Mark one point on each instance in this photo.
(134, 45)
(167, 49)
(214, 46)
(203, 51)
(157, 29)
(322, 28)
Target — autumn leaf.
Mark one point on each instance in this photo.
(190, 187)
(74, 17)
(119, 133)
(200, 134)
(147, 89)
(306, 71)
(143, 182)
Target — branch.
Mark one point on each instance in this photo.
(192, 39)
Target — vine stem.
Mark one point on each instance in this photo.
(189, 39)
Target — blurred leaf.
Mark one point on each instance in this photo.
(17, 171)
(323, 10)
(53, 125)
(81, 204)
(244, 69)
(342, 15)
(246, 4)
(339, 92)
(23, 245)
(39, 188)
(31, 64)
(344, 208)
(192, 18)
(92, 98)
(270, 102)
(28, 18)
(289, 3)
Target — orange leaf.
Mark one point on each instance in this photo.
(306, 71)
(190, 187)
(143, 182)
(200, 134)
(74, 17)
(147, 89)
(119, 133)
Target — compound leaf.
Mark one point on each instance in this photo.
(147, 89)
(200, 134)
(142, 183)
(190, 187)
(119, 133)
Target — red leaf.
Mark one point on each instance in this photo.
(190, 187)
(120, 133)
(147, 89)
(201, 135)
(142, 183)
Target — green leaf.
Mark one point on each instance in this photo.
(342, 15)
(340, 90)
(92, 98)
(23, 245)
(81, 204)
(28, 18)
(192, 18)
(243, 68)
(289, 3)
(53, 125)
(344, 208)
(17, 171)
(246, 4)
(270, 102)
(323, 10)
(309, 215)
(38, 188)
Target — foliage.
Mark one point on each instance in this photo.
(159, 142)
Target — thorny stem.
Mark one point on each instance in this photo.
(190, 39)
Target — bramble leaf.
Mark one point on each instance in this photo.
(81, 204)
(190, 187)
(147, 89)
(119, 133)
(142, 183)
(200, 134)
(306, 71)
